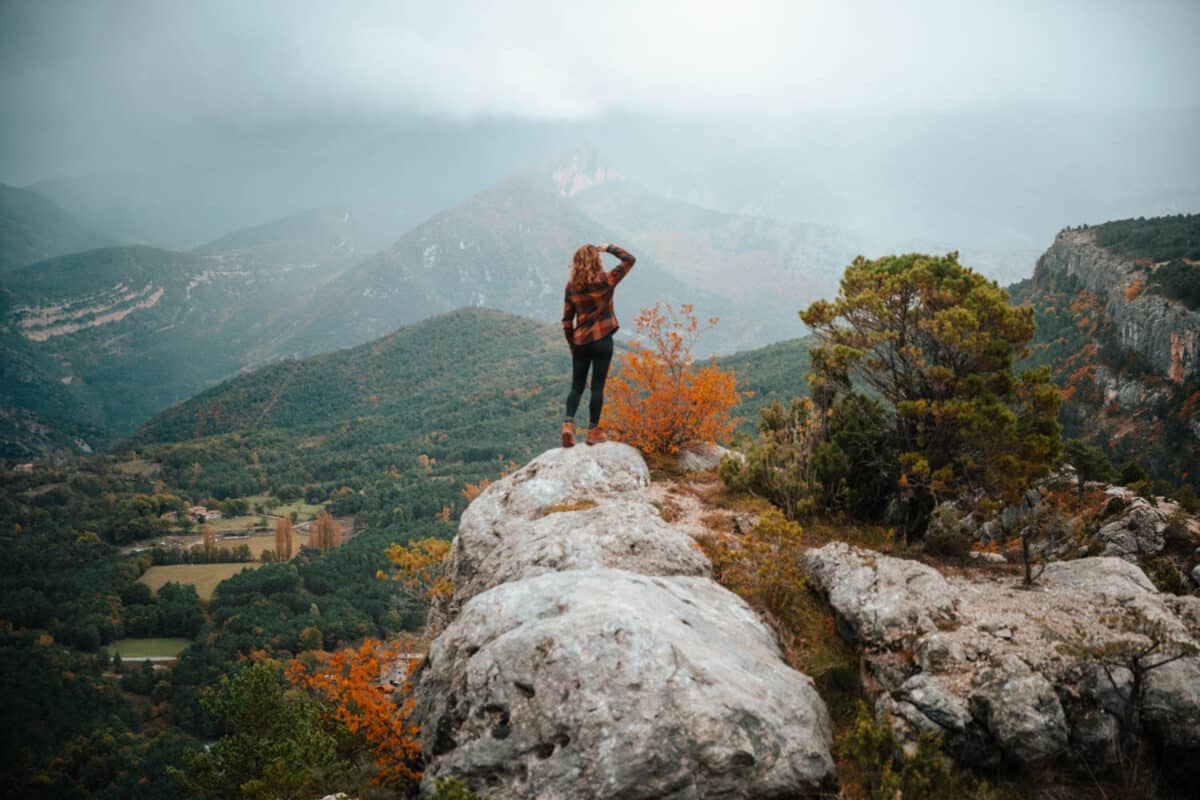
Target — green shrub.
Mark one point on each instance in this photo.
(874, 766)
(1166, 576)
(948, 534)
(454, 789)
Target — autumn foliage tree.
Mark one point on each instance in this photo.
(658, 398)
(283, 539)
(419, 569)
(326, 533)
(937, 342)
(352, 683)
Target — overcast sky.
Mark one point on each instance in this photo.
(89, 76)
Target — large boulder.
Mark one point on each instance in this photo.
(528, 522)
(1137, 531)
(1020, 710)
(1016, 675)
(607, 684)
(880, 601)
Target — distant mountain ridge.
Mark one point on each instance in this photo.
(508, 247)
(34, 228)
(95, 342)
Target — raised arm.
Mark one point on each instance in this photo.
(614, 275)
(568, 318)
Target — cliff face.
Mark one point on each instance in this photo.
(1165, 332)
(1125, 353)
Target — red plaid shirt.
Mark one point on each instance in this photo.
(588, 312)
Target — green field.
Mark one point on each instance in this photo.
(204, 577)
(148, 648)
(236, 524)
(139, 467)
(304, 511)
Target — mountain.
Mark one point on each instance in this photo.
(507, 248)
(777, 372)
(96, 342)
(1118, 313)
(768, 269)
(301, 241)
(33, 228)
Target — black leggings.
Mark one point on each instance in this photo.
(597, 355)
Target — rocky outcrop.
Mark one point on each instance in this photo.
(569, 509)
(588, 655)
(603, 683)
(1014, 675)
(1137, 530)
(1164, 332)
(1126, 525)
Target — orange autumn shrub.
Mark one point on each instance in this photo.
(659, 399)
(420, 569)
(351, 682)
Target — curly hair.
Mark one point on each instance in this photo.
(585, 266)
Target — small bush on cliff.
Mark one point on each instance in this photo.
(658, 399)
(763, 568)
(874, 766)
(454, 789)
(808, 460)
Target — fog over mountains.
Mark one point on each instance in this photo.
(993, 183)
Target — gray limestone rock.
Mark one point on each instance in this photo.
(607, 684)
(1019, 708)
(1025, 663)
(560, 478)
(880, 601)
(1137, 531)
(947, 711)
(701, 456)
(1171, 703)
(1113, 577)
(622, 534)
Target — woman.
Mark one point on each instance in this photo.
(589, 324)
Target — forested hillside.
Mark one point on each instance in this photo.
(93, 343)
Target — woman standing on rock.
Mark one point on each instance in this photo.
(589, 324)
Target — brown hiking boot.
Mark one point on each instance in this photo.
(568, 434)
(596, 435)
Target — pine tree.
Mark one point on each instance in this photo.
(937, 342)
